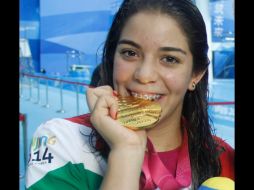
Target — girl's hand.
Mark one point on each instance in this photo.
(103, 106)
(127, 147)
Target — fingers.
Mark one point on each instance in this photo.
(92, 94)
(104, 114)
(113, 109)
(106, 105)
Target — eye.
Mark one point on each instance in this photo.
(170, 60)
(128, 53)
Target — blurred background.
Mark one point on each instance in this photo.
(60, 45)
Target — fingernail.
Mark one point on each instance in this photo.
(115, 93)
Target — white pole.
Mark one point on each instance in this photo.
(77, 98)
(61, 99)
(47, 95)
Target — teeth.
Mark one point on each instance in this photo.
(146, 96)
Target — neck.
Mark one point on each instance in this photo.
(166, 137)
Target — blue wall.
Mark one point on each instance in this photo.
(79, 25)
(55, 27)
(29, 27)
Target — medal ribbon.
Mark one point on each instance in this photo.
(155, 174)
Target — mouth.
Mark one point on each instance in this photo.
(146, 96)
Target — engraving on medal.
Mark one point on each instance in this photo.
(137, 113)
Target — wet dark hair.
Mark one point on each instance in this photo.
(95, 76)
(202, 146)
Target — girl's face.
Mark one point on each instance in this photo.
(153, 60)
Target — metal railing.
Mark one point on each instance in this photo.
(35, 81)
(77, 85)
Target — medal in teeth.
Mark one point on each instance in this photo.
(145, 96)
(138, 111)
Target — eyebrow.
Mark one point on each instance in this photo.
(129, 42)
(173, 49)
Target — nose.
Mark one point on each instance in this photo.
(146, 72)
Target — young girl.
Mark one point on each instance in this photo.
(155, 49)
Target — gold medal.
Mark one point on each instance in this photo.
(137, 113)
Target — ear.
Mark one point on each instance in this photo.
(196, 77)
